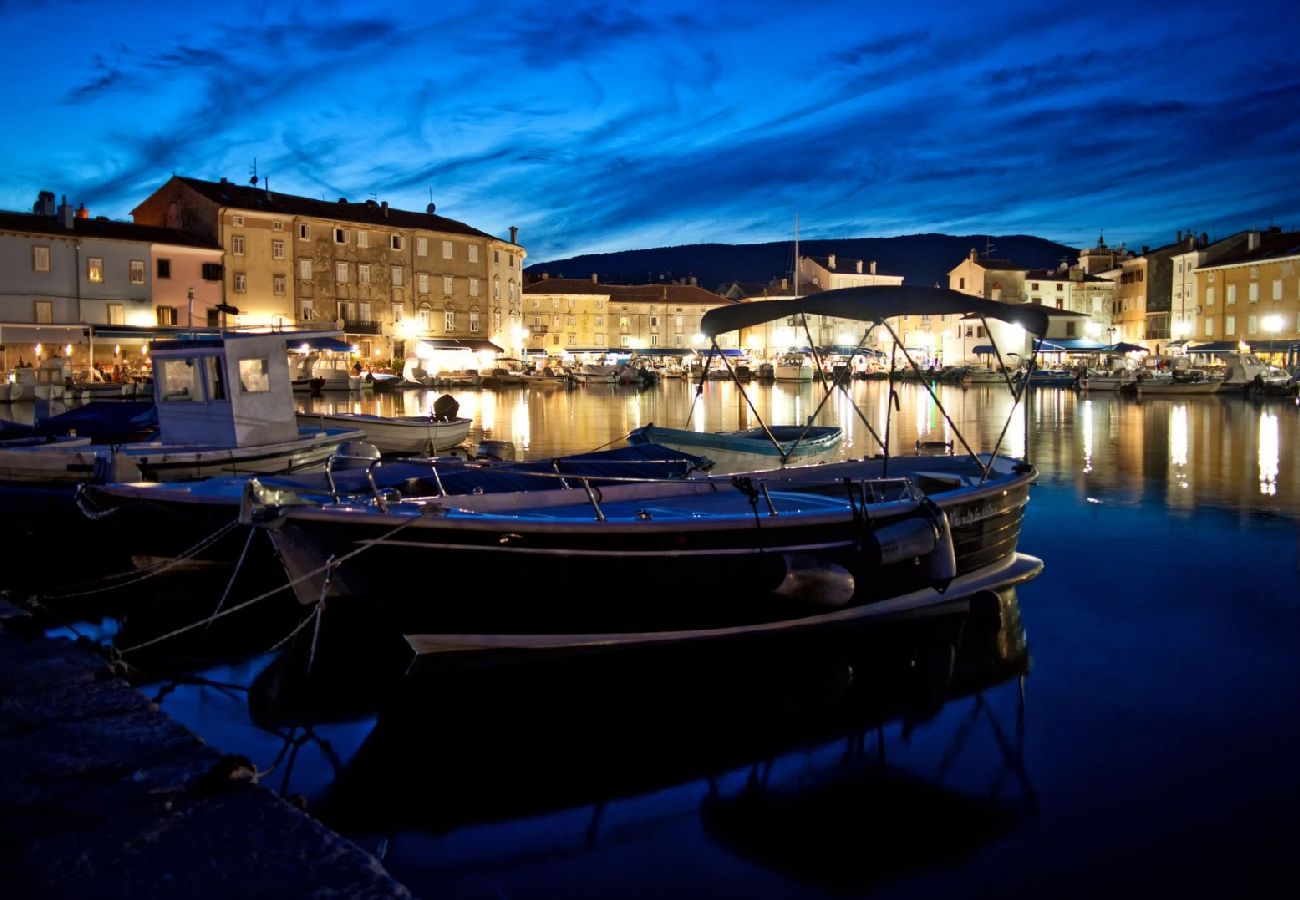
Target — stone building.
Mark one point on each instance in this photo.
(1252, 293)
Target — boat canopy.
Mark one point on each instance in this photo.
(471, 344)
(873, 304)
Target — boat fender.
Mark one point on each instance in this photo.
(811, 580)
(943, 561)
(909, 539)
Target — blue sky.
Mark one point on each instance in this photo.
(598, 126)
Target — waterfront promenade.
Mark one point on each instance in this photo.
(103, 795)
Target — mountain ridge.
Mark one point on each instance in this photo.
(919, 258)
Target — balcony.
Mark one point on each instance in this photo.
(362, 326)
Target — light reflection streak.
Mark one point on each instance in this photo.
(1087, 436)
(1268, 453)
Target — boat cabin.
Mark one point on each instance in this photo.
(233, 390)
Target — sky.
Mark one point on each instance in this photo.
(607, 125)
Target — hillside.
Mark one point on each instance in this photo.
(920, 258)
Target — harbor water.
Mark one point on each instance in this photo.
(1140, 741)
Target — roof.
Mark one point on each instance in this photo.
(31, 223)
(678, 294)
(1272, 245)
(999, 264)
(238, 196)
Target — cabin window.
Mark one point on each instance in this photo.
(180, 381)
(216, 379)
(255, 375)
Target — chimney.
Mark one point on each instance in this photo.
(1178, 236)
(873, 267)
(1145, 249)
(343, 201)
(225, 180)
(694, 282)
(65, 213)
(82, 212)
(514, 234)
(830, 261)
(44, 205)
(384, 206)
(545, 275)
(370, 202)
(1204, 240)
(1252, 240)
(859, 267)
(595, 279)
(971, 256)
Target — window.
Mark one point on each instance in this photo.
(1209, 276)
(1071, 329)
(137, 271)
(600, 339)
(44, 312)
(1209, 296)
(255, 375)
(510, 260)
(654, 340)
(304, 232)
(1254, 271)
(363, 238)
(277, 285)
(512, 290)
(238, 221)
(449, 320)
(308, 311)
(422, 282)
(340, 235)
(116, 314)
(473, 253)
(555, 303)
(536, 302)
(573, 302)
(654, 323)
(363, 273)
(622, 323)
(961, 284)
(395, 276)
(446, 249)
(496, 257)
(180, 378)
(394, 242)
(95, 270)
(277, 249)
(496, 288)
(304, 270)
(1229, 325)
(241, 282)
(555, 322)
(1209, 328)
(1251, 324)
(341, 272)
(600, 322)
(40, 259)
(277, 225)
(214, 318)
(473, 321)
(166, 315)
(623, 340)
(1253, 291)
(421, 246)
(446, 285)
(600, 304)
(571, 321)
(496, 321)
(1033, 285)
(473, 287)
(677, 324)
(573, 339)
(1277, 288)
(237, 244)
(398, 310)
(1232, 294)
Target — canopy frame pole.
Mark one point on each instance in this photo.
(891, 403)
(785, 455)
(1016, 393)
(843, 389)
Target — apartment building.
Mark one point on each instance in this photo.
(388, 277)
(1252, 293)
(830, 273)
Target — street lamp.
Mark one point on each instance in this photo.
(1272, 325)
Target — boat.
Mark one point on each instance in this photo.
(1248, 374)
(1053, 378)
(548, 377)
(425, 435)
(591, 373)
(224, 405)
(793, 366)
(751, 448)
(1105, 379)
(658, 563)
(1170, 387)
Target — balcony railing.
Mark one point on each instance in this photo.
(362, 326)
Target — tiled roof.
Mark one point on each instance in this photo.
(1272, 245)
(999, 264)
(629, 293)
(30, 223)
(238, 196)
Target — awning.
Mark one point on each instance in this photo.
(319, 343)
(724, 351)
(1077, 345)
(1123, 347)
(471, 344)
(1257, 346)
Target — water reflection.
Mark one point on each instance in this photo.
(1268, 453)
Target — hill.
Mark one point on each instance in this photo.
(920, 258)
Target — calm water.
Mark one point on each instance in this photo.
(1159, 729)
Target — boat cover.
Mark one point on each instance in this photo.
(103, 421)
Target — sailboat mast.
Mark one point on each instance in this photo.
(796, 253)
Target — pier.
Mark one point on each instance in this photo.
(103, 795)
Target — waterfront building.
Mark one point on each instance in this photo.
(92, 289)
(1187, 302)
(394, 281)
(573, 315)
(829, 273)
(1252, 293)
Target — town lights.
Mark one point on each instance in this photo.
(1272, 324)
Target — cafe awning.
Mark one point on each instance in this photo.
(470, 344)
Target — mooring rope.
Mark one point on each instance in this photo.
(331, 562)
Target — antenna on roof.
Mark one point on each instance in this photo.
(253, 180)
(988, 245)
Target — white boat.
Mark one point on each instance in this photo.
(793, 367)
(591, 373)
(1247, 372)
(1168, 387)
(424, 435)
(751, 448)
(1106, 380)
(225, 406)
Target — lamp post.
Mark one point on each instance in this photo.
(1272, 325)
(189, 316)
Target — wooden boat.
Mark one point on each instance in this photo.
(224, 405)
(425, 435)
(751, 448)
(795, 548)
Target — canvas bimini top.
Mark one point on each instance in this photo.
(873, 304)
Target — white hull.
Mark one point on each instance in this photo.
(396, 434)
(793, 373)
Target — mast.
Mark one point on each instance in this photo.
(796, 253)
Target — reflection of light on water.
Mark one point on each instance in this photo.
(1268, 453)
(1087, 436)
(519, 432)
(1014, 445)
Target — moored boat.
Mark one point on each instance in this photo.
(750, 448)
(397, 434)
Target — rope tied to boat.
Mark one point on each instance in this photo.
(331, 563)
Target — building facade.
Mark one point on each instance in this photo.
(1252, 293)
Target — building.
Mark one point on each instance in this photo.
(830, 273)
(1195, 251)
(1252, 293)
(94, 289)
(390, 278)
(573, 315)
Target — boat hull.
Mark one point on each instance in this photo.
(396, 434)
(748, 449)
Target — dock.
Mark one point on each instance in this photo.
(104, 795)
